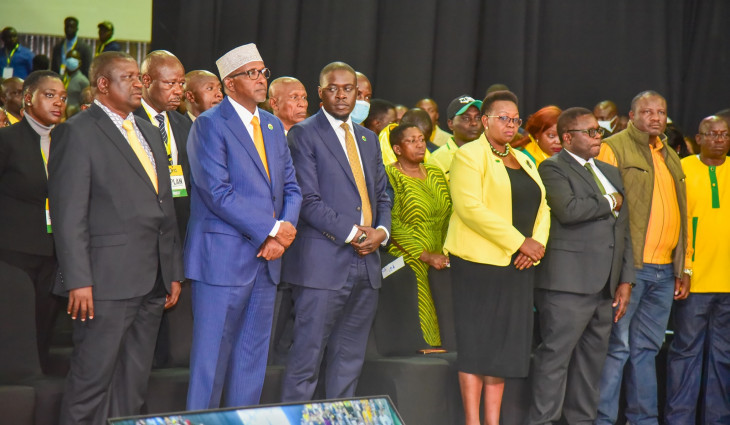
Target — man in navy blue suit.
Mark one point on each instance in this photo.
(334, 263)
(244, 207)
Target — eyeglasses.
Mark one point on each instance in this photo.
(253, 74)
(591, 132)
(717, 135)
(506, 120)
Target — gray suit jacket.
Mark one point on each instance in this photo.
(587, 246)
(111, 229)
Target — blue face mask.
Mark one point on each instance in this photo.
(360, 112)
(72, 64)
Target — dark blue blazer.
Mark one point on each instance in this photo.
(319, 256)
(234, 206)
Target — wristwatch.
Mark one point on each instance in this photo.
(688, 272)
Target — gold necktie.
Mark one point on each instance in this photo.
(258, 141)
(140, 152)
(367, 212)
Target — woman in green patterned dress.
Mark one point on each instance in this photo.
(420, 218)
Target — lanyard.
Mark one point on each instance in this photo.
(101, 47)
(45, 162)
(10, 56)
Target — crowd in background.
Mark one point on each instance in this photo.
(603, 222)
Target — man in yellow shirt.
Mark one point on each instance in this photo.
(705, 314)
(656, 198)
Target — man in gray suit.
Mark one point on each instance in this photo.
(117, 243)
(586, 270)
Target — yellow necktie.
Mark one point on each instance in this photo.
(140, 152)
(258, 141)
(367, 212)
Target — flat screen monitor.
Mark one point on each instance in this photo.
(375, 410)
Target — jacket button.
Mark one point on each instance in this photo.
(611, 246)
(273, 198)
(161, 232)
(160, 200)
(358, 208)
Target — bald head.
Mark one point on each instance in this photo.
(163, 78)
(419, 118)
(12, 95)
(202, 91)
(364, 88)
(605, 110)
(288, 100)
(713, 139)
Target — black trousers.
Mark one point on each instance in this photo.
(112, 359)
(42, 271)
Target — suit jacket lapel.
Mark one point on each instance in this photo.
(611, 174)
(115, 136)
(580, 170)
(328, 136)
(236, 126)
(161, 161)
(271, 147)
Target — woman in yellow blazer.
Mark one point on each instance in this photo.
(496, 235)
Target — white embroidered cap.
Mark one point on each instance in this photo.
(236, 58)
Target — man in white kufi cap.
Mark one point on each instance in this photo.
(244, 208)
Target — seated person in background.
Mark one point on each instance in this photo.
(420, 218)
(75, 82)
(12, 98)
(542, 141)
(288, 101)
(414, 116)
(381, 114)
(464, 119)
(202, 92)
(399, 111)
(438, 136)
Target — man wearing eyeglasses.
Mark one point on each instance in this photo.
(244, 208)
(334, 265)
(656, 198)
(587, 268)
(701, 321)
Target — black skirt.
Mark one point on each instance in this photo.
(493, 304)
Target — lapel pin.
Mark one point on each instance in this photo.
(364, 139)
(271, 127)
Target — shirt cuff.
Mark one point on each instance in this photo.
(352, 234)
(611, 201)
(275, 229)
(387, 235)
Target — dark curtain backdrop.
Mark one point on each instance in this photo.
(563, 52)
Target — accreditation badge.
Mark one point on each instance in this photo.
(48, 218)
(7, 72)
(177, 181)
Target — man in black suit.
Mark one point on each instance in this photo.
(163, 80)
(587, 268)
(117, 243)
(71, 42)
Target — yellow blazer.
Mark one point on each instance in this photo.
(480, 229)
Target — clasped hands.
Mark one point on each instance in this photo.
(531, 252)
(273, 247)
(373, 239)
